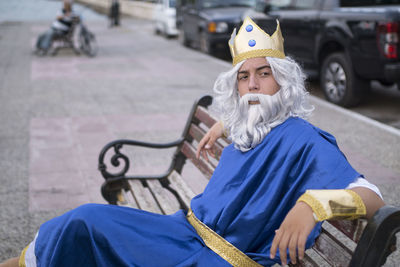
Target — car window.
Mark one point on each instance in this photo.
(280, 3)
(172, 3)
(350, 3)
(306, 4)
(272, 5)
(187, 2)
(227, 3)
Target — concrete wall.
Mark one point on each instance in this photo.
(137, 9)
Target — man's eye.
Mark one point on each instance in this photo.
(264, 73)
(242, 77)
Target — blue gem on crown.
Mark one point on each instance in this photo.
(252, 43)
(249, 28)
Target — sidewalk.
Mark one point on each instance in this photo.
(56, 114)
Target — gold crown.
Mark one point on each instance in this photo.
(252, 41)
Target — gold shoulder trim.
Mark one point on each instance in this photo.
(21, 261)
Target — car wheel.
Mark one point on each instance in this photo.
(339, 82)
(204, 43)
(183, 39)
(385, 83)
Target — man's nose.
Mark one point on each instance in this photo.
(253, 84)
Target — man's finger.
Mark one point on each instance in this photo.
(198, 151)
(275, 243)
(293, 247)
(205, 156)
(210, 147)
(283, 244)
(200, 146)
(301, 244)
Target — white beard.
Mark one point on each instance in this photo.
(256, 121)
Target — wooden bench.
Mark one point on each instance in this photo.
(341, 243)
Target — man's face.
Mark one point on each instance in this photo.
(255, 76)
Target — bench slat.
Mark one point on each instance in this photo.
(331, 251)
(179, 184)
(121, 200)
(312, 259)
(125, 198)
(144, 197)
(205, 117)
(197, 133)
(338, 237)
(352, 229)
(168, 204)
(206, 168)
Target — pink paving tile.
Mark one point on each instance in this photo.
(50, 69)
(53, 160)
(76, 68)
(92, 142)
(95, 124)
(93, 182)
(89, 161)
(50, 133)
(56, 190)
(64, 156)
(53, 124)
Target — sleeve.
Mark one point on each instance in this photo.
(362, 182)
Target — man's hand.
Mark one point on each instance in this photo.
(293, 233)
(208, 140)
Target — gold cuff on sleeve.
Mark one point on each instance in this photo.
(224, 131)
(334, 204)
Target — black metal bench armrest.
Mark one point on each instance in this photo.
(119, 156)
(378, 239)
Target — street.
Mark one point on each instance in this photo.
(381, 103)
(56, 113)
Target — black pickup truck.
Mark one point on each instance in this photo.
(208, 24)
(346, 43)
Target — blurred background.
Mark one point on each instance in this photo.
(132, 69)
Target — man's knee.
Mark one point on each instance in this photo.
(86, 213)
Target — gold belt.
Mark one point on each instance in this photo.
(219, 245)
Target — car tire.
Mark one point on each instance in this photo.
(183, 39)
(385, 83)
(339, 82)
(205, 46)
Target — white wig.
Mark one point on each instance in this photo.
(292, 99)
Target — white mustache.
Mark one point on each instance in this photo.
(254, 122)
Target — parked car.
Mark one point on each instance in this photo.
(345, 43)
(208, 24)
(165, 18)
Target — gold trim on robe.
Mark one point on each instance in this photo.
(219, 245)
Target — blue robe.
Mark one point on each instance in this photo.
(245, 201)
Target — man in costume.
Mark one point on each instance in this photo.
(271, 189)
